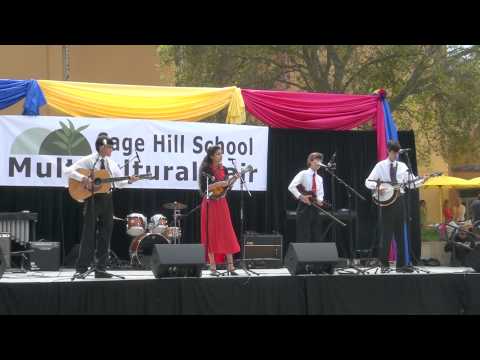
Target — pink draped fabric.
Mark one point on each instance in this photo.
(317, 111)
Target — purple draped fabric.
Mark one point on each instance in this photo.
(317, 111)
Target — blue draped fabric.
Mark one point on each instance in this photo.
(391, 133)
(12, 91)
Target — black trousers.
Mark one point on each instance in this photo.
(103, 218)
(392, 220)
(309, 223)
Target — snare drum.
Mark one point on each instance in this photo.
(141, 248)
(136, 224)
(173, 232)
(158, 224)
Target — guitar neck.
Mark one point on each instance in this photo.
(109, 180)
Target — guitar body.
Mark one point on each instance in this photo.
(388, 197)
(392, 192)
(218, 193)
(77, 190)
(221, 192)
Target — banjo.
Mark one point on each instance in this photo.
(391, 192)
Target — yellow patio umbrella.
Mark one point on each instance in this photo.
(449, 182)
(475, 182)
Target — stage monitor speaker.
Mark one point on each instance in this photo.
(311, 258)
(178, 260)
(473, 259)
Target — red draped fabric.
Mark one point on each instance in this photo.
(317, 111)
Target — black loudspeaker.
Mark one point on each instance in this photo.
(178, 260)
(3, 263)
(473, 259)
(311, 258)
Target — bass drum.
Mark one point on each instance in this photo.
(141, 249)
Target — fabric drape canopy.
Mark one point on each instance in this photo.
(143, 102)
(318, 111)
(12, 91)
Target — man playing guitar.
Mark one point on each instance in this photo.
(392, 172)
(103, 208)
(308, 221)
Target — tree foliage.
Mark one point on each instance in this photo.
(431, 88)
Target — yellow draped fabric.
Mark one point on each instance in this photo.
(143, 102)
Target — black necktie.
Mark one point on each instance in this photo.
(102, 164)
(393, 174)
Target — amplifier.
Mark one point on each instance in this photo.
(45, 256)
(263, 250)
(5, 247)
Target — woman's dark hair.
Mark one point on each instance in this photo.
(205, 166)
(393, 145)
(207, 160)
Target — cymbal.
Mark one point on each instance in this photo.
(175, 206)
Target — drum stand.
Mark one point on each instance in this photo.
(93, 268)
(176, 216)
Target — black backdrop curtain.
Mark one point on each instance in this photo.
(60, 218)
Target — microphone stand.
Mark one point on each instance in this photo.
(242, 224)
(408, 218)
(350, 190)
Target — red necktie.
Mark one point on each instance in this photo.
(314, 185)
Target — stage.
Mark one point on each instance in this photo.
(445, 290)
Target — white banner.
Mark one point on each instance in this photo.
(36, 149)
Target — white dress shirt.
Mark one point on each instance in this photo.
(381, 171)
(305, 177)
(87, 163)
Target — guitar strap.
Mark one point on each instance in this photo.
(393, 173)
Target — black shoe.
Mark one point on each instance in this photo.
(102, 275)
(405, 269)
(214, 273)
(385, 269)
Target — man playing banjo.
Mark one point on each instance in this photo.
(388, 174)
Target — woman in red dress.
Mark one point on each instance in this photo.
(218, 237)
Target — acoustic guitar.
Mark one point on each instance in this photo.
(220, 192)
(101, 183)
(391, 192)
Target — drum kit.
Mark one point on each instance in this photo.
(155, 231)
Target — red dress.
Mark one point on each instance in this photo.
(221, 236)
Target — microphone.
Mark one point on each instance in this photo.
(404, 150)
(208, 175)
(138, 157)
(332, 159)
(328, 166)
